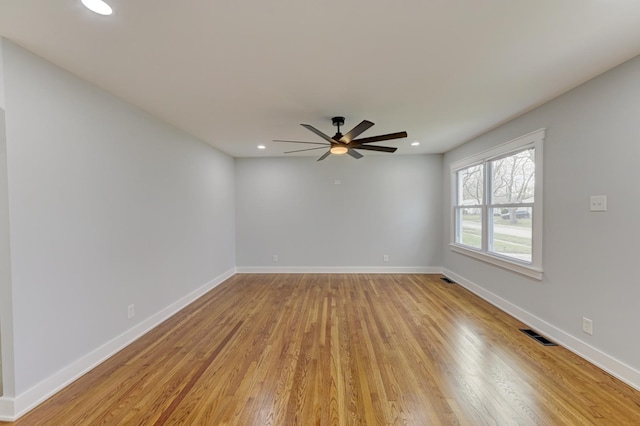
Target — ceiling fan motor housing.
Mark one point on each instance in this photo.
(337, 121)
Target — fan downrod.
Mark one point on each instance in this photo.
(337, 121)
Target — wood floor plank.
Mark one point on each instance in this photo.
(341, 349)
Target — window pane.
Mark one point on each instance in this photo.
(513, 178)
(469, 227)
(470, 186)
(511, 232)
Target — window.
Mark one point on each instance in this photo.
(497, 205)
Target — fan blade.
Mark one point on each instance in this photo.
(313, 143)
(354, 154)
(398, 135)
(356, 131)
(376, 148)
(318, 132)
(308, 149)
(325, 155)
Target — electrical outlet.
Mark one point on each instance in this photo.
(275, 257)
(598, 203)
(385, 258)
(587, 326)
(131, 311)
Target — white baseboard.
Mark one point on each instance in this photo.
(12, 409)
(616, 368)
(339, 269)
(6, 409)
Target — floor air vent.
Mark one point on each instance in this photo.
(447, 280)
(537, 337)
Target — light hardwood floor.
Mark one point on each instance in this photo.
(307, 349)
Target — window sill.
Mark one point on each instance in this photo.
(529, 271)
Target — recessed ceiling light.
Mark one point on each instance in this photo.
(98, 6)
(416, 143)
(262, 147)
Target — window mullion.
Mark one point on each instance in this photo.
(486, 225)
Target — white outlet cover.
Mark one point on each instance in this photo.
(598, 203)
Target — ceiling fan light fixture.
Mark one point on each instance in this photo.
(349, 143)
(339, 149)
(98, 6)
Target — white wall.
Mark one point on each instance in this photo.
(6, 355)
(1, 76)
(108, 207)
(592, 147)
(385, 204)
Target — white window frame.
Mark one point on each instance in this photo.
(533, 269)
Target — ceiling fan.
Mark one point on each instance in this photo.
(347, 144)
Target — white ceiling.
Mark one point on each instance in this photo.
(241, 73)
